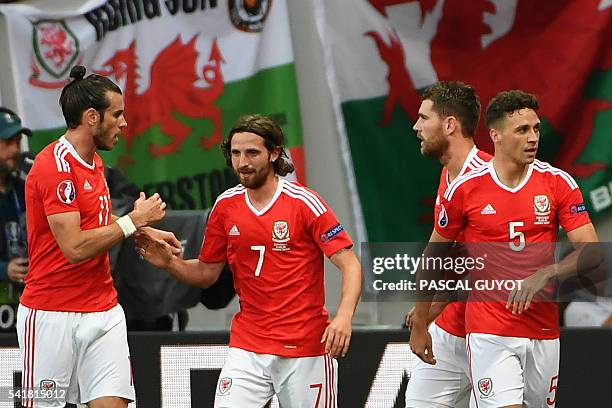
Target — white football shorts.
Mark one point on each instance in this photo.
(250, 380)
(445, 384)
(73, 357)
(512, 370)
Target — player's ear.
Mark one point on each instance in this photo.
(91, 116)
(451, 124)
(494, 134)
(274, 154)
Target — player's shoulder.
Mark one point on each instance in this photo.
(229, 196)
(304, 197)
(553, 174)
(47, 159)
(467, 180)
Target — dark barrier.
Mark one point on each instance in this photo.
(180, 370)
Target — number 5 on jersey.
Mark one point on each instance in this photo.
(514, 234)
(262, 250)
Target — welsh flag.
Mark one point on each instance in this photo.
(188, 71)
(380, 54)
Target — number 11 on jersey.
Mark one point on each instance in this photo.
(262, 250)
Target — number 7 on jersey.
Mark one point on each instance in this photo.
(262, 250)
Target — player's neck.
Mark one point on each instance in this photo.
(455, 156)
(509, 173)
(82, 143)
(261, 197)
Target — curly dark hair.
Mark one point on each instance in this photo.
(82, 93)
(508, 102)
(272, 134)
(455, 98)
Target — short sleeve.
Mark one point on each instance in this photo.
(214, 247)
(327, 231)
(571, 210)
(58, 191)
(450, 218)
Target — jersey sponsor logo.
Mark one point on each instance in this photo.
(332, 232)
(541, 208)
(280, 231)
(87, 186)
(442, 217)
(234, 231)
(541, 205)
(485, 387)
(577, 208)
(225, 384)
(66, 192)
(488, 209)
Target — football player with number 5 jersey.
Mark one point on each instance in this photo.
(519, 203)
(274, 234)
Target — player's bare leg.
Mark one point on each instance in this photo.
(109, 402)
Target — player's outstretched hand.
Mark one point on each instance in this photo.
(337, 336)
(148, 211)
(420, 342)
(520, 299)
(166, 236)
(155, 251)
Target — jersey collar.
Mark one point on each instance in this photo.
(74, 153)
(466, 163)
(277, 193)
(505, 187)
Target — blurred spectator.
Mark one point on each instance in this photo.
(13, 237)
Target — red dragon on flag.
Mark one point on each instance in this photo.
(550, 49)
(171, 90)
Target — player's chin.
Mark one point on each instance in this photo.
(529, 156)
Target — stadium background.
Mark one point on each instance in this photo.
(326, 172)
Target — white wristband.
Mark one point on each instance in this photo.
(127, 225)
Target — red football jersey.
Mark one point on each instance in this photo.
(59, 182)
(452, 318)
(276, 256)
(504, 221)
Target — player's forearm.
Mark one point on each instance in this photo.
(194, 272)
(584, 258)
(424, 295)
(351, 290)
(89, 243)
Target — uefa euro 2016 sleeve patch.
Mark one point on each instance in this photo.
(66, 192)
(442, 217)
(331, 233)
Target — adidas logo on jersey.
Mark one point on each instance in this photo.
(488, 210)
(87, 186)
(234, 231)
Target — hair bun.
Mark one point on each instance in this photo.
(77, 72)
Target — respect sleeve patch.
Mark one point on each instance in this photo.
(331, 233)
